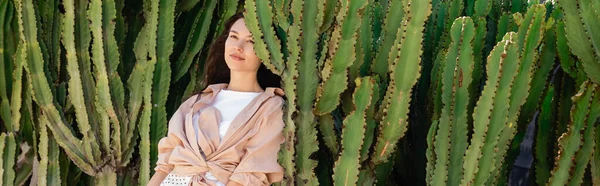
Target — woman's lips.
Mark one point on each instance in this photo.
(236, 57)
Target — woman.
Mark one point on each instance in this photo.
(230, 133)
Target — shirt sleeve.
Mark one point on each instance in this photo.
(259, 164)
(168, 143)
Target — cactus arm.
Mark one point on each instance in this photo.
(371, 124)
(567, 63)
(103, 98)
(187, 5)
(282, 11)
(531, 32)
(117, 113)
(391, 26)
(453, 124)
(41, 90)
(162, 75)
(259, 20)
(542, 142)
(583, 156)
(490, 114)
(5, 110)
(289, 78)
(327, 128)
(335, 72)
(582, 35)
(436, 84)
(9, 158)
(17, 87)
(543, 67)
(306, 87)
(482, 8)
(595, 162)
(430, 153)
(145, 51)
(229, 10)
(463, 63)
(53, 163)
(42, 174)
(196, 39)
(571, 141)
(346, 168)
(403, 78)
(75, 84)
(16, 99)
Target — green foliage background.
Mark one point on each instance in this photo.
(378, 92)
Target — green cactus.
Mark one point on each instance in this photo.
(327, 129)
(450, 141)
(197, 38)
(162, 76)
(259, 19)
(490, 114)
(392, 23)
(8, 154)
(335, 71)
(581, 30)
(402, 79)
(576, 145)
(595, 162)
(346, 168)
(48, 170)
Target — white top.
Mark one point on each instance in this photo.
(230, 104)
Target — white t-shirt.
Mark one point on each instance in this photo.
(230, 104)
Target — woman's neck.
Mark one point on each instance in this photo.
(244, 82)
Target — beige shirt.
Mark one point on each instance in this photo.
(248, 152)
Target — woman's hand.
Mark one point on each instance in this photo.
(158, 177)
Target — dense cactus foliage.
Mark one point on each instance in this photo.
(377, 92)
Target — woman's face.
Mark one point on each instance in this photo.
(239, 49)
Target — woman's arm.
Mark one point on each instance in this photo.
(158, 177)
(259, 165)
(233, 183)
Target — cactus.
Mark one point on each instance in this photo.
(595, 162)
(402, 79)
(575, 147)
(259, 21)
(196, 39)
(346, 169)
(581, 28)
(490, 114)
(343, 40)
(8, 154)
(452, 126)
(162, 75)
(386, 53)
(48, 172)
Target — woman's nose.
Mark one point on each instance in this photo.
(238, 47)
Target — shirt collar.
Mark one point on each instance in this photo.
(220, 86)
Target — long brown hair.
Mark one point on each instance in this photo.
(216, 70)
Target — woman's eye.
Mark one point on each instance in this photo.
(232, 36)
(250, 41)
